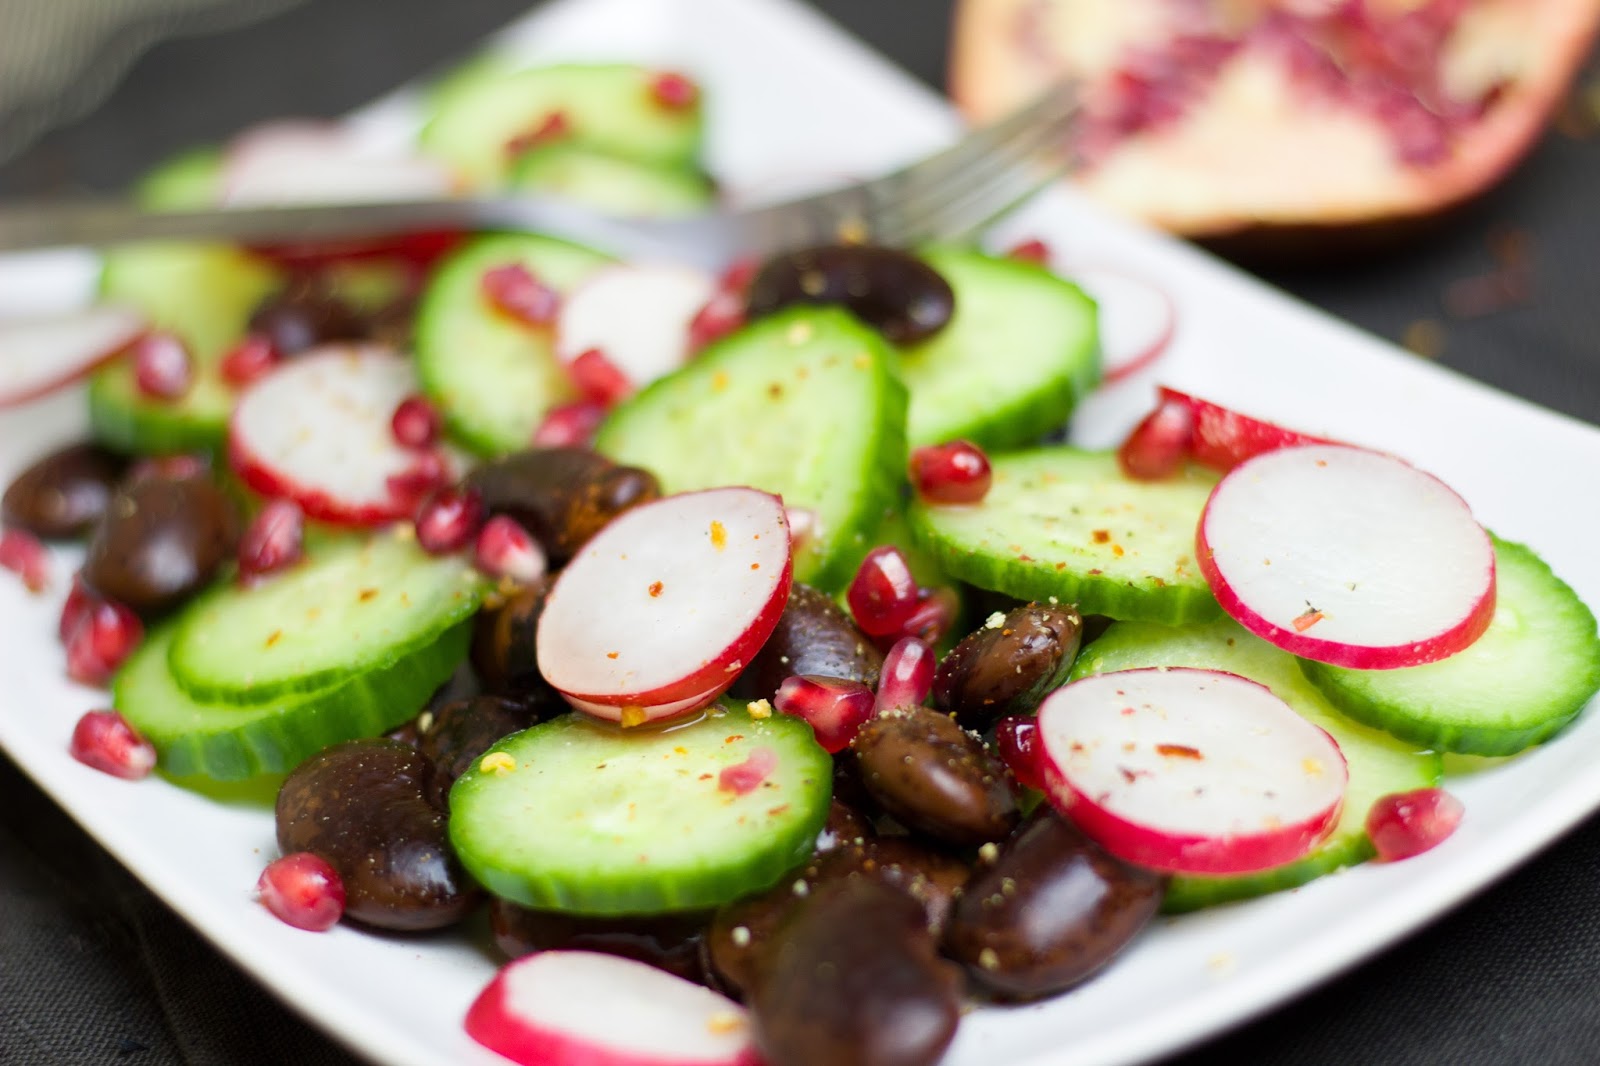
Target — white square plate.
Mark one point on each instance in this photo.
(790, 93)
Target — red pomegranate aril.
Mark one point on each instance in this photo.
(883, 594)
(553, 127)
(505, 549)
(907, 676)
(1157, 446)
(161, 366)
(1016, 738)
(569, 425)
(105, 741)
(1403, 824)
(512, 289)
(427, 473)
(103, 634)
(449, 520)
(416, 423)
(722, 315)
(745, 777)
(25, 556)
(834, 707)
(275, 539)
(1032, 250)
(75, 609)
(674, 91)
(739, 275)
(248, 360)
(956, 472)
(934, 615)
(304, 890)
(599, 379)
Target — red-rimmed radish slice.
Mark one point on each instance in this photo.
(584, 1008)
(1224, 438)
(632, 714)
(311, 162)
(317, 430)
(669, 601)
(637, 316)
(1347, 556)
(1137, 319)
(1189, 771)
(42, 353)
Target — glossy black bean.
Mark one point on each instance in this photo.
(670, 942)
(160, 541)
(934, 777)
(813, 636)
(563, 496)
(503, 649)
(65, 493)
(456, 734)
(305, 315)
(893, 291)
(1009, 667)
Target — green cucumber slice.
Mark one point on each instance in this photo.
(1065, 523)
(805, 404)
(1378, 763)
(228, 743)
(627, 188)
(1529, 674)
(476, 115)
(188, 180)
(356, 606)
(595, 819)
(1020, 352)
(493, 378)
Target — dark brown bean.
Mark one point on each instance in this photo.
(453, 736)
(1008, 668)
(161, 540)
(462, 685)
(846, 827)
(815, 636)
(935, 778)
(854, 980)
(561, 495)
(933, 878)
(364, 807)
(1051, 911)
(64, 494)
(670, 942)
(305, 315)
(893, 291)
(503, 649)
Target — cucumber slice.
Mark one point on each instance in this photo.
(1065, 523)
(493, 378)
(228, 743)
(804, 404)
(627, 188)
(356, 606)
(1019, 353)
(189, 180)
(1529, 674)
(594, 819)
(608, 107)
(1378, 763)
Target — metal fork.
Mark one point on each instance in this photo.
(949, 195)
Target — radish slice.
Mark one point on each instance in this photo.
(1347, 556)
(317, 430)
(39, 354)
(1223, 438)
(631, 714)
(1189, 771)
(665, 605)
(584, 1008)
(313, 162)
(637, 316)
(1137, 320)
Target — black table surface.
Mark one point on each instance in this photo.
(94, 969)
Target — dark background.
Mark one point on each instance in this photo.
(93, 969)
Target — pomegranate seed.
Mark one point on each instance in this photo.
(505, 549)
(553, 127)
(161, 366)
(102, 636)
(569, 425)
(956, 472)
(428, 472)
(674, 91)
(741, 273)
(907, 676)
(1403, 824)
(416, 423)
(935, 614)
(1157, 446)
(23, 555)
(274, 539)
(449, 520)
(304, 890)
(599, 379)
(168, 467)
(248, 360)
(75, 609)
(835, 708)
(883, 594)
(513, 290)
(105, 741)
(1016, 736)
(721, 315)
(745, 777)
(1032, 250)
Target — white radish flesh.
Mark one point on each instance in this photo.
(1136, 319)
(309, 163)
(1347, 556)
(669, 601)
(583, 1008)
(1189, 771)
(41, 353)
(637, 316)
